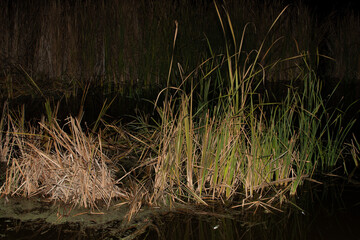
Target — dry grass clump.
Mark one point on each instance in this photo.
(66, 166)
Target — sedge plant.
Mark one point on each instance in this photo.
(241, 146)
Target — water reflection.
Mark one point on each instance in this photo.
(324, 217)
(330, 211)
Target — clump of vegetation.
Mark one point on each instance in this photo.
(217, 137)
(238, 145)
(68, 166)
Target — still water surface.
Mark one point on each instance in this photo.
(323, 212)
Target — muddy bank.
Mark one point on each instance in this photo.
(320, 213)
(38, 219)
(330, 210)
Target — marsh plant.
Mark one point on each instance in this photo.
(66, 165)
(239, 145)
(123, 47)
(217, 136)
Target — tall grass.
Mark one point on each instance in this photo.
(218, 137)
(243, 146)
(341, 43)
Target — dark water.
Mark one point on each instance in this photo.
(326, 211)
(324, 216)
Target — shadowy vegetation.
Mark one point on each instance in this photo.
(216, 137)
(124, 47)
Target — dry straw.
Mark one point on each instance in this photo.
(66, 166)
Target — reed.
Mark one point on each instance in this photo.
(67, 166)
(123, 47)
(355, 151)
(217, 136)
(341, 43)
(241, 145)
